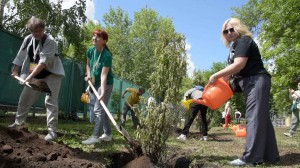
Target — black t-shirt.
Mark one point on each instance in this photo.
(44, 73)
(246, 47)
(237, 115)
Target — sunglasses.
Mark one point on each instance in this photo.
(95, 37)
(231, 30)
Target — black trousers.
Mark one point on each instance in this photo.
(261, 145)
(194, 109)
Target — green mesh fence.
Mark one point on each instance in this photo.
(73, 85)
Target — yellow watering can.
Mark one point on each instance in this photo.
(186, 103)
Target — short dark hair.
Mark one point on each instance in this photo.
(142, 90)
(35, 22)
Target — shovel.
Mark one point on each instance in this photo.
(22, 80)
(135, 145)
(41, 86)
(120, 129)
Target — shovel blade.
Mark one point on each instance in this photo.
(124, 133)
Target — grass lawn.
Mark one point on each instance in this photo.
(221, 147)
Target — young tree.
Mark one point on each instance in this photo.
(165, 84)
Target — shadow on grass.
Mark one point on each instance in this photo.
(290, 159)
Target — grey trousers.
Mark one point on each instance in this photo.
(261, 145)
(102, 121)
(91, 103)
(29, 96)
(295, 121)
(135, 119)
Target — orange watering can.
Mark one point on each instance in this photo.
(235, 127)
(241, 132)
(214, 96)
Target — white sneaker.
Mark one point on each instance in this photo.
(288, 134)
(105, 137)
(182, 137)
(50, 136)
(204, 138)
(239, 162)
(91, 140)
(15, 125)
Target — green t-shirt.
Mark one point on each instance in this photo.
(105, 61)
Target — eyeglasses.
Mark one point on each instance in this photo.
(231, 30)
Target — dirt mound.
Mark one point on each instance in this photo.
(22, 148)
(142, 161)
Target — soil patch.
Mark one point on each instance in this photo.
(22, 148)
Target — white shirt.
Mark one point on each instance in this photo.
(47, 57)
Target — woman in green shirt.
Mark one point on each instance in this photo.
(99, 64)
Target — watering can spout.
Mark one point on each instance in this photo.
(186, 103)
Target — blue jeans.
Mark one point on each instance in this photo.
(101, 119)
(92, 100)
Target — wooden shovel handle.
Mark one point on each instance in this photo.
(102, 103)
(22, 80)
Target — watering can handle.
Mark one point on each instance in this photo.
(207, 86)
(205, 89)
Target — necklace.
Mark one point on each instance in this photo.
(35, 50)
(97, 62)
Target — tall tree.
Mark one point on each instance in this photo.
(201, 77)
(3, 3)
(118, 26)
(277, 22)
(62, 24)
(86, 34)
(144, 38)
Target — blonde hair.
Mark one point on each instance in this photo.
(35, 22)
(238, 26)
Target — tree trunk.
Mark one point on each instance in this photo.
(2, 5)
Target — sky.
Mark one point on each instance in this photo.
(199, 20)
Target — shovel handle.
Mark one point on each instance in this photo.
(22, 80)
(120, 129)
(129, 105)
(102, 103)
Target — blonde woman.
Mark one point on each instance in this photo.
(255, 82)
